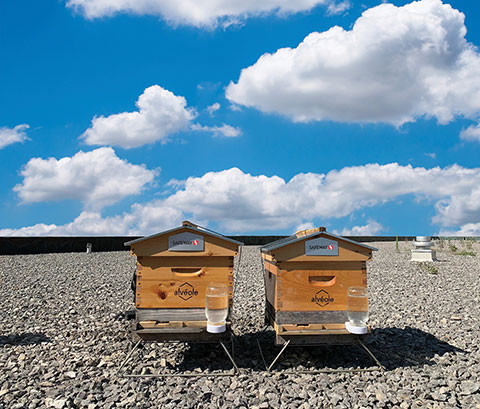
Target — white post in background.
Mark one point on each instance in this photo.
(89, 248)
(423, 250)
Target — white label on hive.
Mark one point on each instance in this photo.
(185, 242)
(321, 247)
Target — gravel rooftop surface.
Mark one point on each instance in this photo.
(63, 338)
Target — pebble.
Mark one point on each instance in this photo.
(469, 387)
(62, 340)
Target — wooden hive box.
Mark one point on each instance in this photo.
(174, 269)
(306, 280)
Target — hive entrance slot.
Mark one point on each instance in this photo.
(187, 272)
(322, 281)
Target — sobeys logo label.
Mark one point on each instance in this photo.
(186, 291)
(186, 241)
(322, 298)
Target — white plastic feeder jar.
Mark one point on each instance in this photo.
(216, 308)
(357, 310)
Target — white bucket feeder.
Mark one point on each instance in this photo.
(423, 249)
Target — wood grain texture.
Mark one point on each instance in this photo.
(297, 292)
(319, 339)
(270, 287)
(184, 334)
(172, 324)
(267, 256)
(185, 262)
(272, 268)
(311, 329)
(310, 292)
(321, 265)
(199, 272)
(346, 252)
(158, 246)
(178, 292)
(171, 280)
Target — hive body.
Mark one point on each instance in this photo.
(174, 269)
(306, 282)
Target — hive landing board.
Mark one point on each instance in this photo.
(186, 242)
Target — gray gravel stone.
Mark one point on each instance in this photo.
(62, 339)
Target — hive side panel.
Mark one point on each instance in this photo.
(271, 267)
(267, 256)
(318, 290)
(346, 252)
(179, 287)
(270, 286)
(328, 265)
(185, 261)
(158, 246)
(185, 267)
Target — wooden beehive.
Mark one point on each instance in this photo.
(306, 280)
(174, 269)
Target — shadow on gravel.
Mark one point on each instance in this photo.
(27, 338)
(403, 347)
(189, 357)
(393, 347)
(314, 358)
(206, 356)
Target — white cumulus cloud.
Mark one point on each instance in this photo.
(472, 133)
(372, 228)
(97, 178)
(13, 135)
(395, 65)
(239, 202)
(469, 229)
(160, 114)
(460, 208)
(86, 224)
(213, 108)
(141, 220)
(242, 202)
(200, 13)
(338, 8)
(304, 226)
(226, 131)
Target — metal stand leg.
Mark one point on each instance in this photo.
(382, 368)
(278, 356)
(261, 354)
(379, 366)
(235, 368)
(260, 335)
(128, 356)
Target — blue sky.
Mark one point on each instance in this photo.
(361, 116)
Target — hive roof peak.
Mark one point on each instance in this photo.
(189, 226)
(298, 236)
